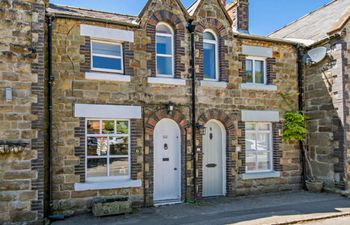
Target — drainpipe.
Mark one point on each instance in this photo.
(50, 82)
(191, 28)
(301, 107)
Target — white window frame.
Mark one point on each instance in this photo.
(107, 56)
(172, 56)
(215, 42)
(108, 157)
(255, 58)
(256, 132)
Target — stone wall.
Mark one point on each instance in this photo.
(70, 54)
(22, 118)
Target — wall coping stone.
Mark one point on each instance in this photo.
(272, 174)
(258, 87)
(107, 76)
(213, 84)
(166, 80)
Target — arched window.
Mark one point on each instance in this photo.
(165, 50)
(210, 56)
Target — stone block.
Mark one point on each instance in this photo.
(112, 206)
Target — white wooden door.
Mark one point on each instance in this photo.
(167, 161)
(213, 177)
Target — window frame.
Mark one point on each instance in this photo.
(216, 44)
(166, 55)
(256, 131)
(121, 57)
(107, 157)
(256, 58)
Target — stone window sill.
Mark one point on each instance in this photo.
(262, 175)
(107, 77)
(107, 185)
(213, 84)
(259, 87)
(166, 80)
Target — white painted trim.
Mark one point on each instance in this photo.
(107, 111)
(216, 44)
(256, 51)
(258, 87)
(172, 55)
(107, 56)
(164, 80)
(107, 185)
(106, 33)
(107, 77)
(213, 84)
(251, 176)
(260, 116)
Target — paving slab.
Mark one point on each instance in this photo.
(278, 208)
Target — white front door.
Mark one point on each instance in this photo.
(213, 160)
(167, 161)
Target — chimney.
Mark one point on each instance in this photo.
(239, 13)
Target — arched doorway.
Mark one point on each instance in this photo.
(167, 162)
(214, 159)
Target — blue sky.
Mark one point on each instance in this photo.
(265, 15)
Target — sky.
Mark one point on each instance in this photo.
(266, 16)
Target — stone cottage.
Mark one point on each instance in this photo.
(326, 89)
(168, 106)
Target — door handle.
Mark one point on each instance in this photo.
(211, 165)
(175, 169)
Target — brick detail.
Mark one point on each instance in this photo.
(229, 122)
(128, 56)
(270, 73)
(186, 156)
(136, 133)
(276, 143)
(38, 108)
(241, 59)
(220, 30)
(238, 10)
(79, 151)
(179, 36)
(241, 142)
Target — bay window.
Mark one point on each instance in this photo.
(165, 50)
(107, 149)
(210, 56)
(106, 56)
(259, 150)
(255, 70)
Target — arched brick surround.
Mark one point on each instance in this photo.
(186, 154)
(229, 122)
(221, 31)
(179, 36)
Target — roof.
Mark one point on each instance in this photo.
(177, 1)
(69, 11)
(316, 25)
(192, 10)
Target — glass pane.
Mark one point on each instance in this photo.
(250, 141)
(209, 61)
(208, 36)
(119, 167)
(93, 126)
(107, 63)
(108, 126)
(249, 70)
(264, 126)
(96, 167)
(161, 28)
(263, 142)
(250, 126)
(97, 146)
(259, 72)
(250, 161)
(106, 49)
(122, 127)
(164, 45)
(118, 145)
(263, 161)
(165, 65)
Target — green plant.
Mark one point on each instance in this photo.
(294, 127)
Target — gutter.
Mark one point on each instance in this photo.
(50, 82)
(262, 38)
(191, 28)
(65, 16)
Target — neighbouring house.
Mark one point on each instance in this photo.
(164, 107)
(326, 89)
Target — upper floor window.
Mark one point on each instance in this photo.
(165, 50)
(255, 70)
(210, 56)
(258, 147)
(106, 56)
(107, 149)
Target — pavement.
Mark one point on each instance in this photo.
(279, 208)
